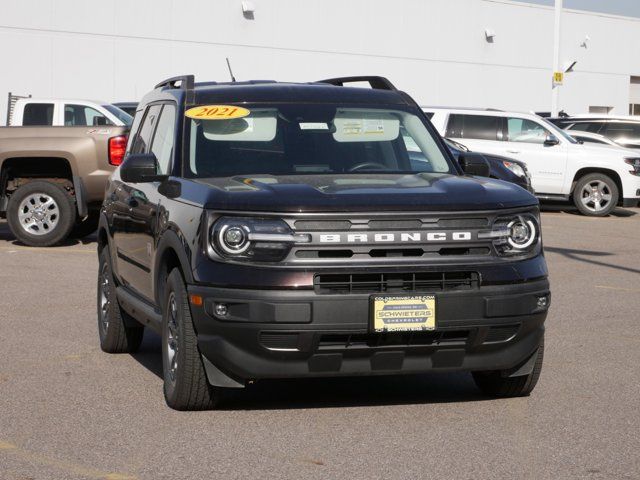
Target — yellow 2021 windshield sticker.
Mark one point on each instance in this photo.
(216, 112)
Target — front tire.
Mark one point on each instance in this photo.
(185, 381)
(596, 195)
(497, 384)
(117, 335)
(41, 214)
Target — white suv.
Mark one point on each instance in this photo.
(595, 178)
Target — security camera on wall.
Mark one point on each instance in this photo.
(585, 42)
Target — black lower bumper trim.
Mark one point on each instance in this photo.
(288, 333)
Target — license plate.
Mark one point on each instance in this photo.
(403, 313)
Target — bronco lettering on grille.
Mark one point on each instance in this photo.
(408, 237)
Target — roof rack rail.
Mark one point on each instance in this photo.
(376, 82)
(186, 82)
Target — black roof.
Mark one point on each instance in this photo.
(258, 91)
(294, 92)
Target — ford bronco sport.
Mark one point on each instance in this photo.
(280, 230)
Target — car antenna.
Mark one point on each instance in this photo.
(233, 79)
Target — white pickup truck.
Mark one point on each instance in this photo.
(596, 179)
(39, 112)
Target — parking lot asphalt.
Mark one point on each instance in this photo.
(70, 411)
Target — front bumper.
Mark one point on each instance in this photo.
(300, 333)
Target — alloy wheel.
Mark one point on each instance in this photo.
(596, 196)
(38, 214)
(172, 337)
(105, 303)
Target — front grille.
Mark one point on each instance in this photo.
(392, 339)
(340, 283)
(392, 252)
(408, 238)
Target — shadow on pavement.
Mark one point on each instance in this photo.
(579, 255)
(572, 210)
(333, 392)
(6, 235)
(149, 355)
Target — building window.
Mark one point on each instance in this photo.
(600, 110)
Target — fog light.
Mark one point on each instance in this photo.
(543, 302)
(221, 309)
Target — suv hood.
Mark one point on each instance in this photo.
(606, 151)
(357, 192)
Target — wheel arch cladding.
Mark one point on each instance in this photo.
(103, 229)
(170, 254)
(103, 239)
(604, 171)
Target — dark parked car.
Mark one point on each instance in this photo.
(280, 230)
(500, 168)
(129, 107)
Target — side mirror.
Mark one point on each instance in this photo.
(474, 164)
(551, 140)
(140, 168)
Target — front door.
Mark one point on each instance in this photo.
(525, 141)
(140, 202)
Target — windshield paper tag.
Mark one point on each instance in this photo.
(363, 127)
(313, 126)
(216, 112)
(373, 126)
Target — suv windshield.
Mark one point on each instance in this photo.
(557, 131)
(302, 139)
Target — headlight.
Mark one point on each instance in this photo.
(517, 234)
(635, 163)
(233, 239)
(515, 168)
(257, 239)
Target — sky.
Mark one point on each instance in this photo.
(629, 8)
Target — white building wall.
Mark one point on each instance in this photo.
(116, 50)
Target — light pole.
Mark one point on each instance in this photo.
(555, 86)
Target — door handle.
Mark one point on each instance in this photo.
(513, 151)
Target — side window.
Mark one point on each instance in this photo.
(481, 127)
(142, 139)
(478, 127)
(37, 114)
(454, 126)
(135, 126)
(162, 145)
(622, 130)
(525, 131)
(81, 115)
(581, 127)
(595, 127)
